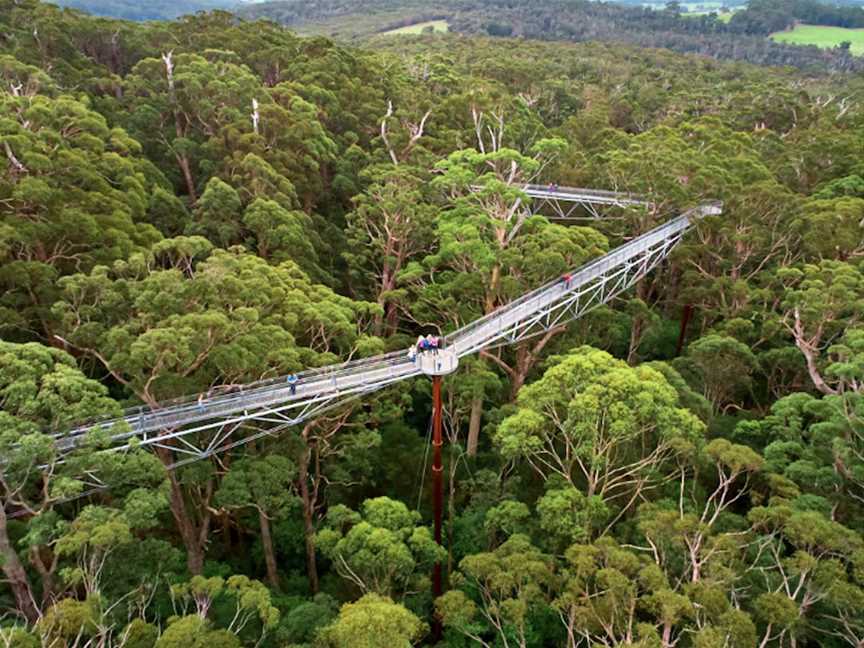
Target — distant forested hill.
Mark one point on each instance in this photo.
(766, 16)
(744, 38)
(297, 11)
(348, 18)
(145, 10)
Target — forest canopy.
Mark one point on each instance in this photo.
(188, 207)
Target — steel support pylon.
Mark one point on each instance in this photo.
(437, 480)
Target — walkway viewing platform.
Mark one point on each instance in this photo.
(439, 363)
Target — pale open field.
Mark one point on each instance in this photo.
(722, 17)
(437, 25)
(822, 36)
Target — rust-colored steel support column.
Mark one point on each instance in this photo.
(437, 478)
(685, 320)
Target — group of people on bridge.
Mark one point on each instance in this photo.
(429, 344)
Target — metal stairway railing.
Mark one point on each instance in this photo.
(178, 425)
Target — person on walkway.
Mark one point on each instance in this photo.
(292, 383)
(567, 278)
(412, 354)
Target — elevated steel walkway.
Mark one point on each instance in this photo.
(202, 425)
(565, 203)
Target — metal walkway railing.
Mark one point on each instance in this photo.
(564, 202)
(201, 425)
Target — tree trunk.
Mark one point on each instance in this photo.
(227, 536)
(637, 329)
(809, 348)
(186, 527)
(451, 513)
(492, 293)
(269, 551)
(308, 521)
(183, 161)
(667, 635)
(46, 573)
(813, 369)
(16, 576)
(526, 358)
(386, 323)
(179, 129)
(474, 425)
(193, 536)
(392, 318)
(524, 363)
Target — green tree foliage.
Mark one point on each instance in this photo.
(373, 620)
(266, 485)
(42, 392)
(187, 207)
(195, 631)
(510, 583)
(249, 600)
(74, 195)
(389, 227)
(722, 366)
(183, 316)
(601, 426)
(383, 550)
(819, 301)
(187, 99)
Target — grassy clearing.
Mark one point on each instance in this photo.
(822, 36)
(702, 6)
(694, 9)
(722, 17)
(437, 26)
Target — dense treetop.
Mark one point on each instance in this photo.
(188, 206)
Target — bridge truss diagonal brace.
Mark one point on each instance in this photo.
(207, 438)
(561, 303)
(564, 203)
(566, 209)
(584, 299)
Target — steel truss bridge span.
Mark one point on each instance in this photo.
(203, 425)
(564, 202)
